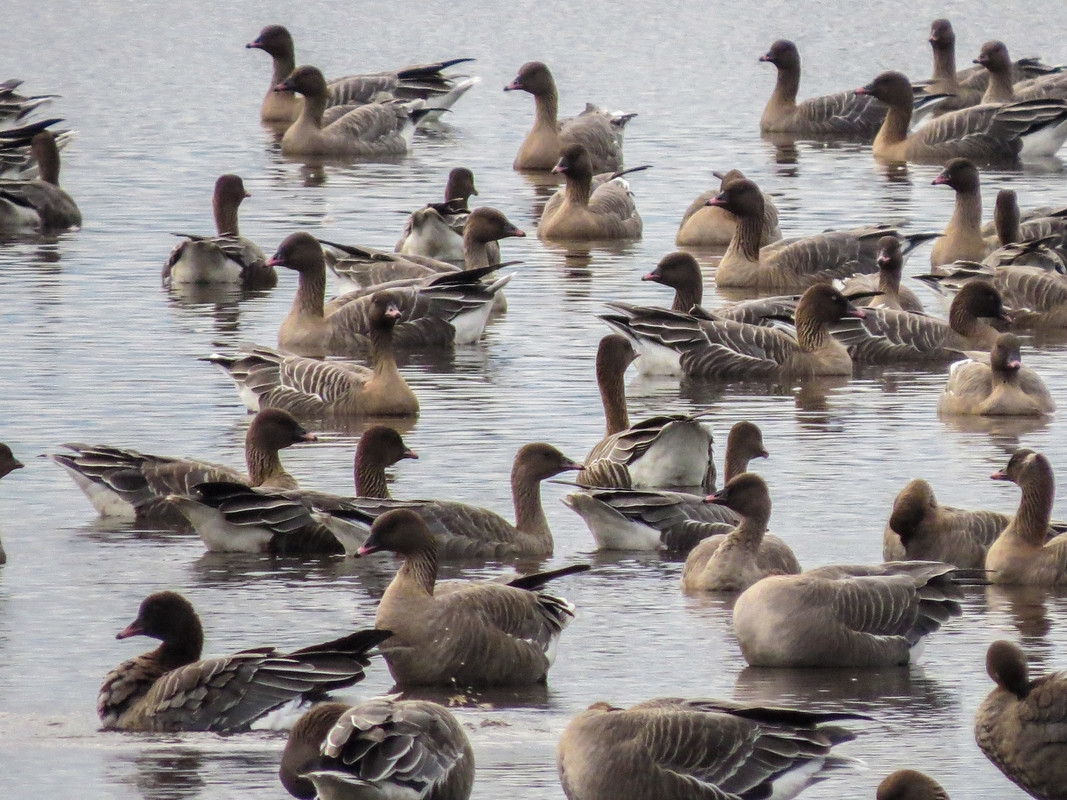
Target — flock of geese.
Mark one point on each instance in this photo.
(825, 303)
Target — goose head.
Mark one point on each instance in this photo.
(460, 185)
(274, 40)
(300, 252)
(308, 81)
(960, 174)
(741, 197)
(783, 54)
(489, 225)
(1005, 663)
(892, 88)
(747, 494)
(534, 78)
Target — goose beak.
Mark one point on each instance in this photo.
(514, 86)
(410, 454)
(652, 276)
(863, 90)
(133, 629)
(718, 201)
(284, 86)
(714, 499)
(999, 475)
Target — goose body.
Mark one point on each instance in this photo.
(436, 231)
(885, 288)
(579, 211)
(39, 204)
(1001, 386)
(1035, 298)
(705, 225)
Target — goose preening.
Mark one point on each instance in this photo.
(661, 451)
(704, 225)
(599, 133)
(172, 689)
(907, 784)
(383, 747)
(226, 257)
(884, 290)
(1019, 726)
(733, 562)
(845, 615)
(585, 209)
(839, 114)
(999, 386)
(38, 204)
(8, 463)
(436, 231)
(417, 82)
(126, 483)
(695, 749)
(462, 633)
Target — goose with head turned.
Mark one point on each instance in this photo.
(580, 211)
(998, 387)
(907, 784)
(884, 289)
(39, 204)
(703, 225)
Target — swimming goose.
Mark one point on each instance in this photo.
(1021, 555)
(1002, 87)
(599, 133)
(845, 615)
(171, 689)
(310, 387)
(661, 451)
(578, 211)
(1019, 726)
(436, 231)
(454, 310)
(733, 562)
(1039, 241)
(990, 133)
(709, 347)
(1034, 298)
(39, 204)
(907, 784)
(225, 258)
(8, 463)
(712, 226)
(126, 483)
(883, 290)
(839, 114)
(962, 239)
(384, 746)
(1001, 386)
(694, 749)
(461, 633)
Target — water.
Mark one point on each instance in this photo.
(165, 99)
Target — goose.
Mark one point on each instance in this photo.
(421, 81)
(1002, 87)
(733, 562)
(883, 290)
(990, 133)
(461, 633)
(1040, 241)
(384, 746)
(121, 482)
(1007, 217)
(600, 134)
(267, 378)
(1001, 386)
(666, 520)
(580, 212)
(436, 231)
(712, 226)
(1033, 298)
(839, 114)
(907, 784)
(1021, 555)
(698, 749)
(1019, 725)
(8, 463)
(17, 161)
(39, 204)
(845, 615)
(681, 344)
(454, 310)
(962, 239)
(661, 451)
(172, 689)
(225, 258)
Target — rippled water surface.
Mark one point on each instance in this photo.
(165, 98)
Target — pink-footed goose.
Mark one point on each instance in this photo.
(699, 749)
(1038, 241)
(461, 633)
(999, 386)
(839, 114)
(226, 257)
(659, 452)
(8, 463)
(1019, 726)
(1021, 554)
(582, 210)
(436, 231)
(1002, 87)
(417, 82)
(1033, 298)
(703, 225)
(990, 133)
(600, 134)
(883, 290)
(171, 689)
(733, 562)
(907, 784)
(38, 204)
(384, 746)
(453, 310)
(126, 483)
(962, 238)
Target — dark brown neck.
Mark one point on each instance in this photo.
(284, 65)
(529, 514)
(579, 189)
(314, 107)
(547, 108)
(421, 566)
(787, 85)
(736, 463)
(1006, 220)
(310, 297)
(184, 649)
(967, 214)
(751, 529)
(475, 252)
(1000, 88)
(370, 477)
(944, 63)
(963, 321)
(226, 219)
(1035, 507)
(263, 464)
(811, 332)
(381, 344)
(895, 127)
(889, 281)
(613, 395)
(747, 237)
(48, 164)
(687, 296)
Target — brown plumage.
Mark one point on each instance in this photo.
(703, 225)
(999, 386)
(581, 212)
(39, 204)
(885, 286)
(436, 231)
(907, 784)
(962, 238)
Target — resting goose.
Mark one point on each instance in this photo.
(1019, 726)
(694, 749)
(225, 258)
(883, 290)
(839, 114)
(580, 212)
(1040, 241)
(1002, 87)
(1021, 555)
(990, 133)
(703, 225)
(907, 784)
(171, 689)
(8, 463)
(38, 204)
(127, 483)
(436, 231)
(598, 133)
(661, 451)
(846, 615)
(1035, 297)
(383, 747)
(461, 633)
(733, 562)
(1001, 386)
